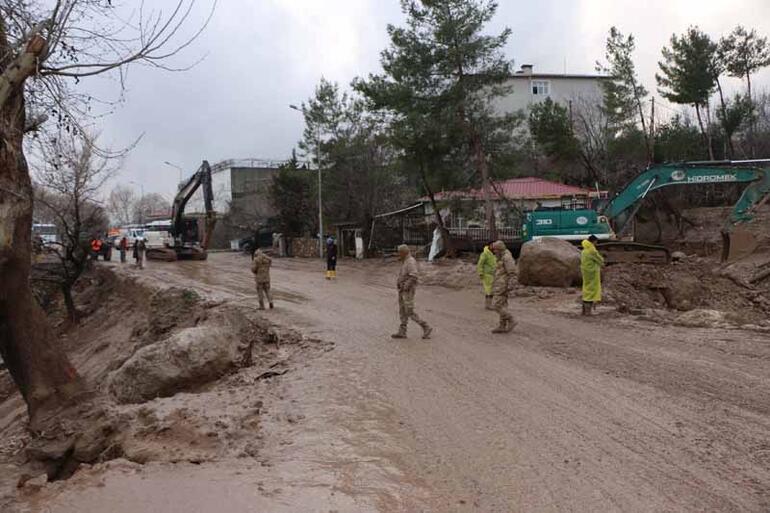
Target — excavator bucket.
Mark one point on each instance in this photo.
(737, 244)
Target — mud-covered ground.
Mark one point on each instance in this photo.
(612, 413)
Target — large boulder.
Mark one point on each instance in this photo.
(188, 358)
(549, 262)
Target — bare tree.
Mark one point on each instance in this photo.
(68, 186)
(45, 48)
(121, 204)
(149, 205)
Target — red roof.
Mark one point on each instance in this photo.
(529, 187)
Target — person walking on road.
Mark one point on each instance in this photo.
(505, 273)
(260, 266)
(591, 263)
(486, 269)
(123, 246)
(331, 259)
(139, 248)
(407, 286)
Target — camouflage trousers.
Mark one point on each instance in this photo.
(406, 309)
(500, 305)
(263, 291)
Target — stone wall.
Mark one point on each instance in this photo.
(304, 247)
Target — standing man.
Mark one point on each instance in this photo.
(260, 266)
(407, 286)
(591, 263)
(123, 246)
(505, 273)
(139, 248)
(331, 259)
(486, 269)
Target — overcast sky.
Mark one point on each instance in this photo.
(262, 55)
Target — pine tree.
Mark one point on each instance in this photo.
(441, 76)
(689, 73)
(623, 94)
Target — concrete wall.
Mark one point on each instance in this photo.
(563, 89)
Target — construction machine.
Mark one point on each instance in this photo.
(184, 242)
(610, 222)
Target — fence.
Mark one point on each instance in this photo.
(506, 233)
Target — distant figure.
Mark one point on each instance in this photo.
(331, 259)
(139, 248)
(260, 266)
(123, 246)
(486, 269)
(96, 248)
(505, 273)
(591, 263)
(407, 286)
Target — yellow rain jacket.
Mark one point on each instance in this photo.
(486, 269)
(591, 262)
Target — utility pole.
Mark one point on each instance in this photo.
(651, 155)
(320, 183)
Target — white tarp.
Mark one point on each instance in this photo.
(437, 246)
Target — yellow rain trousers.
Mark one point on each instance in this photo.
(591, 262)
(486, 269)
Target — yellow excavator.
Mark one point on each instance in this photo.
(184, 242)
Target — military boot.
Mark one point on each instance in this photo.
(586, 308)
(426, 331)
(509, 325)
(488, 303)
(401, 333)
(501, 328)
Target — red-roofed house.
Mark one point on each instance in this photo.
(462, 209)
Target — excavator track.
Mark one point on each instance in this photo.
(617, 252)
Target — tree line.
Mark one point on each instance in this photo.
(429, 120)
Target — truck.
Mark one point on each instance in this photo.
(610, 222)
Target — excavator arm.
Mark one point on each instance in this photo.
(622, 209)
(184, 248)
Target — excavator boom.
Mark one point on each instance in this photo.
(185, 233)
(736, 241)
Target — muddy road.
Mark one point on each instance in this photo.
(565, 414)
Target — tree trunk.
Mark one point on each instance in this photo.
(481, 165)
(706, 138)
(69, 303)
(439, 220)
(752, 127)
(28, 345)
(728, 136)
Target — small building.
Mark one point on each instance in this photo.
(529, 88)
(242, 199)
(463, 210)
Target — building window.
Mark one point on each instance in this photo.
(541, 87)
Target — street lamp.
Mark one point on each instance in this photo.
(179, 168)
(320, 204)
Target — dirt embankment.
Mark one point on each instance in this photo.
(177, 379)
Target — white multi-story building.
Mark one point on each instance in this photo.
(569, 90)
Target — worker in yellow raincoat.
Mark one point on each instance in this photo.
(591, 263)
(486, 269)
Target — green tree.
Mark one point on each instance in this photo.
(551, 129)
(689, 72)
(291, 194)
(624, 95)
(441, 76)
(745, 53)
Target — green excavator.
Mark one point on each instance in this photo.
(610, 222)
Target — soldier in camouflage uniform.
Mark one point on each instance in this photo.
(505, 273)
(407, 285)
(260, 266)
